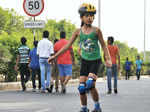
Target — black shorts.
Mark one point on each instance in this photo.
(89, 67)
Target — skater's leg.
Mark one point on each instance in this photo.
(82, 91)
(95, 97)
(94, 92)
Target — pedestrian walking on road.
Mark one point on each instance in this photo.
(23, 62)
(64, 61)
(127, 68)
(138, 67)
(90, 54)
(113, 71)
(55, 74)
(35, 67)
(45, 50)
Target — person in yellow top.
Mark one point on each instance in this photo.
(90, 55)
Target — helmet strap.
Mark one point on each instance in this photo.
(88, 25)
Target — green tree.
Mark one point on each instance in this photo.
(12, 29)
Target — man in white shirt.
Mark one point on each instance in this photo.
(45, 50)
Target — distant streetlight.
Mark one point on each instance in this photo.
(144, 27)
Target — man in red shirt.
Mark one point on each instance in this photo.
(113, 71)
(64, 61)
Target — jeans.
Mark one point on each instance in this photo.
(112, 71)
(34, 73)
(45, 71)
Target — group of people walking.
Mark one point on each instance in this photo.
(128, 65)
(37, 61)
(45, 55)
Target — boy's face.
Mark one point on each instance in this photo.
(108, 42)
(88, 18)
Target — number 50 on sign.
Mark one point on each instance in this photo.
(33, 7)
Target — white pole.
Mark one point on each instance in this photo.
(144, 27)
(99, 13)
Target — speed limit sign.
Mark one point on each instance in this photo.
(33, 7)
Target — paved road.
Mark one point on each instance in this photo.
(134, 96)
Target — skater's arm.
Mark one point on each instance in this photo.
(79, 51)
(72, 56)
(67, 46)
(104, 47)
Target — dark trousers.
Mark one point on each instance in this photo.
(127, 74)
(25, 74)
(34, 73)
(138, 73)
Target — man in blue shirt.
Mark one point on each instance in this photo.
(138, 67)
(127, 68)
(34, 65)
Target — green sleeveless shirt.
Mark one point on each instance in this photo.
(89, 46)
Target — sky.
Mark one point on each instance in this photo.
(123, 19)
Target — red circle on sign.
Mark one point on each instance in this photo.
(33, 14)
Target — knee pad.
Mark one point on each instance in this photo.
(90, 83)
(82, 88)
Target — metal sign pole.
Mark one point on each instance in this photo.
(33, 8)
(34, 30)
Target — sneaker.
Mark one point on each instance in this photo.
(24, 89)
(97, 110)
(63, 90)
(56, 90)
(33, 90)
(39, 87)
(84, 110)
(49, 90)
(109, 92)
(39, 90)
(115, 91)
(43, 91)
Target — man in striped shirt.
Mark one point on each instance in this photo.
(23, 61)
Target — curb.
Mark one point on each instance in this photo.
(17, 85)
